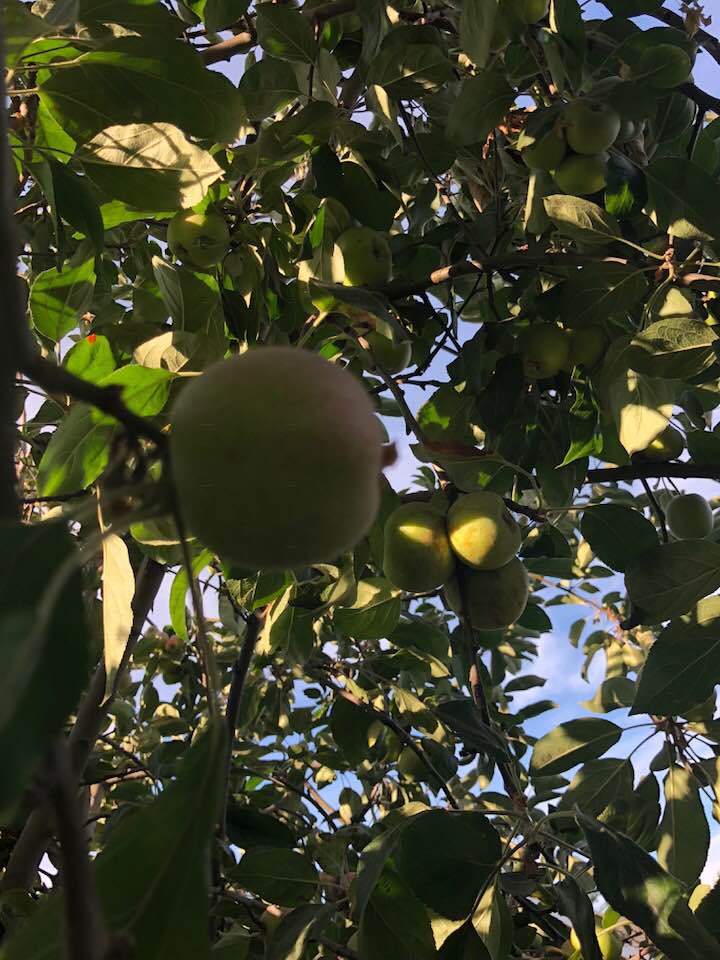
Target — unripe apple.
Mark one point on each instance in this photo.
(668, 445)
(199, 239)
(417, 551)
(610, 945)
(411, 766)
(544, 148)
(366, 256)
(544, 348)
(587, 346)
(276, 458)
(482, 531)
(392, 355)
(689, 517)
(579, 175)
(494, 598)
(590, 126)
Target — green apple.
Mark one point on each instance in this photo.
(495, 598)
(580, 175)
(411, 766)
(199, 239)
(590, 126)
(668, 445)
(544, 348)
(276, 457)
(482, 531)
(417, 551)
(534, 10)
(542, 146)
(587, 346)
(392, 355)
(366, 257)
(610, 945)
(689, 517)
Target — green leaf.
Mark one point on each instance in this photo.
(20, 28)
(149, 165)
(285, 33)
(395, 924)
(91, 358)
(44, 645)
(683, 665)
(141, 81)
(349, 725)
(667, 580)
(635, 885)
(601, 290)
(279, 876)
(178, 594)
(268, 86)
(641, 406)
(289, 940)
(477, 22)
(644, 813)
(579, 219)
(617, 534)
(223, 13)
(372, 863)
(481, 104)
(248, 828)
(375, 612)
(598, 785)
(136, 15)
(493, 923)
(685, 198)
(464, 944)
(676, 347)
(571, 743)
(703, 446)
(411, 70)
(567, 22)
(684, 837)
(58, 298)
(118, 590)
(446, 858)
(578, 907)
(76, 203)
(77, 453)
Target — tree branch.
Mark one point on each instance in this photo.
(85, 928)
(13, 315)
(227, 49)
(32, 843)
(54, 379)
(240, 672)
(398, 289)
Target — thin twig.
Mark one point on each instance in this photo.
(13, 314)
(659, 512)
(405, 737)
(85, 928)
(232, 712)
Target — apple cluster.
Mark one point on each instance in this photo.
(572, 143)
(469, 550)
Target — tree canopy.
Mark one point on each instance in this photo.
(495, 225)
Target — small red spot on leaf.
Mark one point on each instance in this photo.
(91, 337)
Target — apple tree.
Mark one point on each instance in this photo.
(359, 359)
